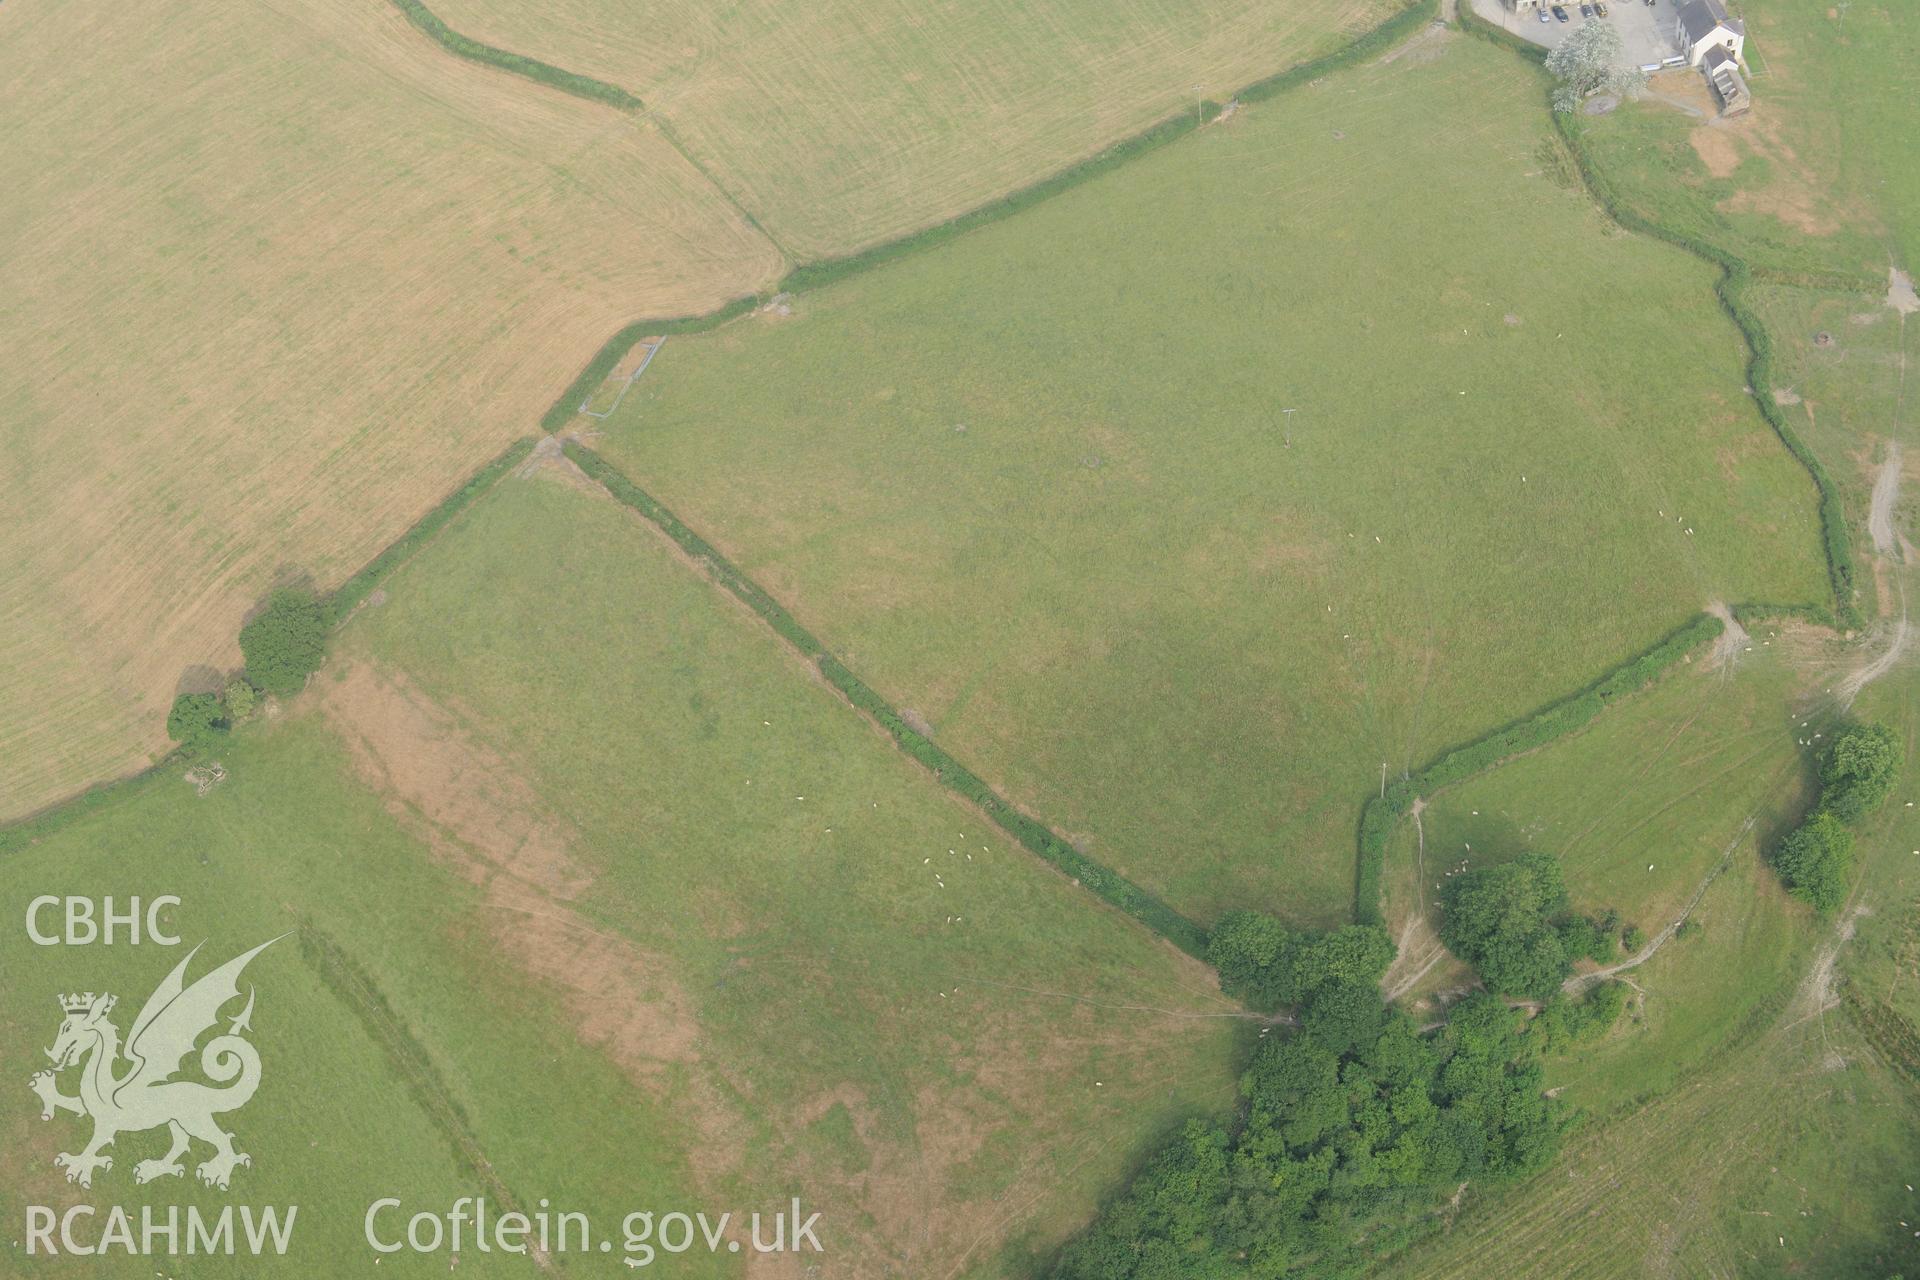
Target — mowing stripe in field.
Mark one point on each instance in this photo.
(1036, 836)
(41, 823)
(812, 275)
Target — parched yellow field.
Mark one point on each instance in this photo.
(844, 122)
(270, 284)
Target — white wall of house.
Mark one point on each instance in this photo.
(1732, 41)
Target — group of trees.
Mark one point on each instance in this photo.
(282, 646)
(1857, 773)
(1352, 1126)
(1511, 923)
(1591, 60)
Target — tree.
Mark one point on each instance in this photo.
(1591, 60)
(1247, 947)
(1264, 963)
(1859, 771)
(1355, 1125)
(1815, 859)
(286, 643)
(1497, 920)
(240, 699)
(197, 721)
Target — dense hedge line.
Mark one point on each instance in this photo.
(824, 271)
(1382, 37)
(355, 589)
(38, 826)
(614, 349)
(1382, 812)
(1736, 276)
(463, 47)
(1035, 836)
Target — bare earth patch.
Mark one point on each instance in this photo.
(478, 814)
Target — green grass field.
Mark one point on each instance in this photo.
(645, 972)
(887, 1006)
(291, 842)
(1186, 626)
(1691, 780)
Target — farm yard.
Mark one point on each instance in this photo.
(271, 289)
(1043, 487)
(845, 123)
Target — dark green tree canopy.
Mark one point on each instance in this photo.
(1815, 861)
(1859, 770)
(286, 643)
(1499, 920)
(198, 721)
(1264, 963)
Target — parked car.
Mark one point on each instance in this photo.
(1560, 12)
(1545, 16)
(1586, 11)
(1600, 8)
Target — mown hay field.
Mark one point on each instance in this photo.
(845, 123)
(268, 288)
(1040, 485)
(672, 927)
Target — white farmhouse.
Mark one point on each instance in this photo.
(1704, 25)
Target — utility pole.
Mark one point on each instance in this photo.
(1383, 779)
(1196, 105)
(1286, 435)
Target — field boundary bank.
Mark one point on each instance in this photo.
(348, 983)
(1035, 836)
(825, 271)
(350, 594)
(1382, 813)
(45, 821)
(1736, 276)
(429, 24)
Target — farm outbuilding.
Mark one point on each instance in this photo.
(1723, 73)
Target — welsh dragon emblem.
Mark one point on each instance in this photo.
(144, 1094)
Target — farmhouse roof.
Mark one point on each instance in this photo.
(1716, 57)
(1700, 18)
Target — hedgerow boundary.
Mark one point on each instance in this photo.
(1383, 812)
(1038, 839)
(355, 589)
(1737, 275)
(41, 823)
(825, 271)
(519, 64)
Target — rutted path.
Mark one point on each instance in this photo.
(1393, 986)
(1581, 981)
(1886, 491)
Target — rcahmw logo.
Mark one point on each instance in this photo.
(129, 1087)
